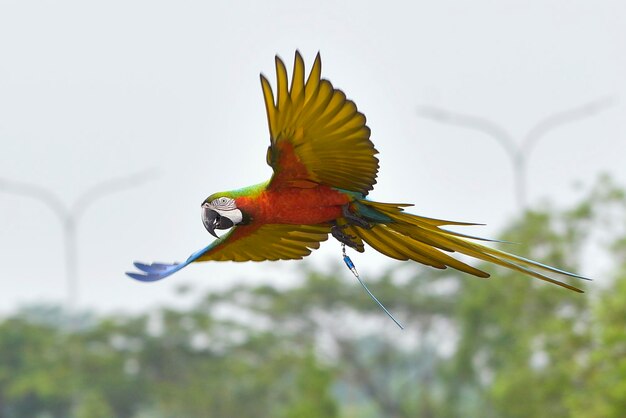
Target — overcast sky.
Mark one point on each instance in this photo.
(96, 90)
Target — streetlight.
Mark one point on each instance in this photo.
(519, 153)
(69, 216)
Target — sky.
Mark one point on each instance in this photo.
(91, 91)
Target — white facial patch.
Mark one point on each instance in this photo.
(232, 214)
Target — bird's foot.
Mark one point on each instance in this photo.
(354, 219)
(337, 232)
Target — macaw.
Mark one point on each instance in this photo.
(324, 166)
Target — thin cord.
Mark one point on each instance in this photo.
(351, 266)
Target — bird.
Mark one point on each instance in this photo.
(324, 166)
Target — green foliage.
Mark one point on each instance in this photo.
(509, 346)
(603, 375)
(93, 405)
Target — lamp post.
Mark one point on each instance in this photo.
(69, 216)
(518, 152)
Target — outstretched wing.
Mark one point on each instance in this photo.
(246, 243)
(317, 136)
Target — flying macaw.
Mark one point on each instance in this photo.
(324, 166)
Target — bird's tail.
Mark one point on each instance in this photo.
(404, 236)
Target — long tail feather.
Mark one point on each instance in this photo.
(412, 237)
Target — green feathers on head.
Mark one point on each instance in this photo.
(250, 191)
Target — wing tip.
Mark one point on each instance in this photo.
(143, 277)
(153, 272)
(278, 61)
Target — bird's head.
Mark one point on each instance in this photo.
(219, 211)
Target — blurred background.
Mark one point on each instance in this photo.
(117, 119)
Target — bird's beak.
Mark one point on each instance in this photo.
(210, 219)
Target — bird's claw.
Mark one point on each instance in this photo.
(354, 219)
(337, 232)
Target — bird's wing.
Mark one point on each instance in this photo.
(246, 243)
(317, 136)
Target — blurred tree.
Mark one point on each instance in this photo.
(602, 372)
(198, 365)
(33, 369)
(93, 405)
(520, 340)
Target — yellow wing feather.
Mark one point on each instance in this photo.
(316, 134)
(267, 242)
